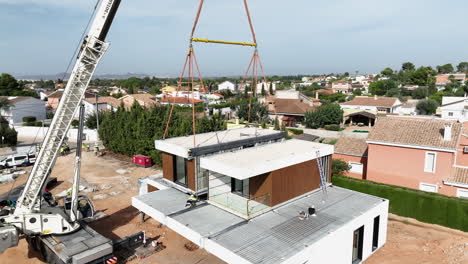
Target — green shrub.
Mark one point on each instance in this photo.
(37, 123)
(296, 131)
(29, 119)
(332, 127)
(75, 123)
(423, 206)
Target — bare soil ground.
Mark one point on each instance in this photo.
(115, 177)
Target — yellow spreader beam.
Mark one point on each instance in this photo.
(224, 42)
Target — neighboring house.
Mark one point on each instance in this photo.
(22, 106)
(454, 108)
(53, 99)
(408, 108)
(117, 91)
(411, 87)
(381, 105)
(168, 89)
(104, 103)
(180, 101)
(214, 97)
(420, 153)
(342, 86)
(144, 100)
(443, 79)
(293, 94)
(44, 94)
(289, 111)
(266, 86)
(227, 85)
(354, 152)
(262, 204)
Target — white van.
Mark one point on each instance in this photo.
(18, 160)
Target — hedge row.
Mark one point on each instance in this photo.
(423, 206)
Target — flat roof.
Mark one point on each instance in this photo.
(279, 234)
(250, 162)
(216, 141)
(168, 201)
(208, 220)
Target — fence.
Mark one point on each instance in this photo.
(333, 134)
(423, 206)
(40, 132)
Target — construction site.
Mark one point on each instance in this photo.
(248, 195)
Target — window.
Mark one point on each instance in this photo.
(179, 171)
(462, 193)
(450, 113)
(428, 187)
(429, 162)
(375, 237)
(358, 237)
(237, 187)
(20, 157)
(356, 167)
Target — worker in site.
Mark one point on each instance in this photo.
(47, 195)
(191, 201)
(96, 149)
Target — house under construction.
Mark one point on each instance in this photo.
(262, 199)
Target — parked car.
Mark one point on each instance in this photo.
(18, 160)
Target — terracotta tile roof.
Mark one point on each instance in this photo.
(105, 100)
(147, 99)
(372, 101)
(324, 91)
(414, 131)
(351, 146)
(180, 100)
(288, 106)
(459, 175)
(58, 94)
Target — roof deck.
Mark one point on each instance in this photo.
(212, 142)
(279, 234)
(251, 162)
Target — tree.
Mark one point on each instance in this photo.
(339, 167)
(8, 84)
(462, 67)
(420, 93)
(263, 89)
(407, 67)
(427, 107)
(387, 72)
(103, 92)
(382, 87)
(5, 104)
(324, 115)
(276, 125)
(394, 92)
(272, 92)
(258, 112)
(357, 92)
(91, 122)
(8, 135)
(444, 69)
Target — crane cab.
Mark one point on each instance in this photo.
(85, 207)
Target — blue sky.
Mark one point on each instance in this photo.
(295, 36)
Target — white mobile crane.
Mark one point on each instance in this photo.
(32, 217)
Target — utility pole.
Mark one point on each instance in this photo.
(97, 112)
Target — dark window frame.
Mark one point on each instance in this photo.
(375, 234)
(175, 171)
(360, 244)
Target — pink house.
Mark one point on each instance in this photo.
(420, 153)
(354, 152)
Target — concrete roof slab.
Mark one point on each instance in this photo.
(251, 162)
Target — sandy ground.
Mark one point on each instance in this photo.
(408, 241)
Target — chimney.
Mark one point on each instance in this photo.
(448, 132)
(375, 97)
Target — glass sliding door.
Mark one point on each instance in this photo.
(358, 236)
(180, 171)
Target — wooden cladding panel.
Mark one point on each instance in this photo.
(293, 181)
(260, 187)
(190, 173)
(168, 166)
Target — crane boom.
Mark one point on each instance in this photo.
(92, 50)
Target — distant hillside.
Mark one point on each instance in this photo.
(61, 76)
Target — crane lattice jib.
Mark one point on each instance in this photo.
(66, 111)
(92, 50)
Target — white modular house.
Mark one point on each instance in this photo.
(381, 105)
(22, 106)
(264, 205)
(454, 108)
(227, 85)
